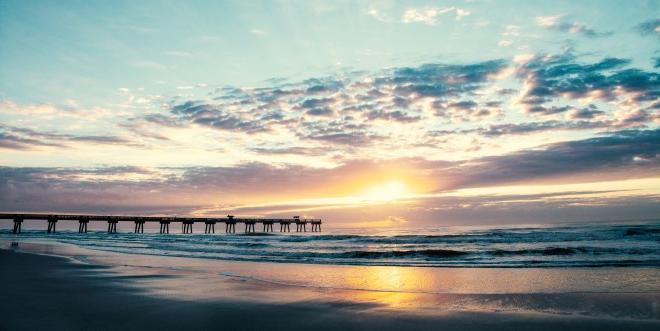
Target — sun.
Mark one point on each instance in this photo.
(390, 190)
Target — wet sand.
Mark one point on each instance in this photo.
(109, 291)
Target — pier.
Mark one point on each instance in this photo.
(186, 222)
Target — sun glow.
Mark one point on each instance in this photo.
(390, 190)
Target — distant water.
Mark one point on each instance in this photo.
(595, 245)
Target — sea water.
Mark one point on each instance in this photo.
(567, 245)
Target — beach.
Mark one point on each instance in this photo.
(329, 165)
(61, 286)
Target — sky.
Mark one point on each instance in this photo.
(362, 113)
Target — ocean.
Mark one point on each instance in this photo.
(567, 245)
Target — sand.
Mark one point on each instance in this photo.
(112, 291)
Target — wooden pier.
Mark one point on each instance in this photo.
(186, 222)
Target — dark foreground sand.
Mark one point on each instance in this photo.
(40, 292)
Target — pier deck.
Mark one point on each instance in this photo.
(186, 222)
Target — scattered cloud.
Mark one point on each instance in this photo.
(547, 21)
(214, 117)
(378, 15)
(649, 27)
(16, 138)
(548, 79)
(558, 23)
(511, 31)
(431, 15)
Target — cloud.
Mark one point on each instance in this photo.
(353, 111)
(577, 122)
(436, 80)
(556, 23)
(430, 15)
(638, 117)
(93, 190)
(547, 21)
(578, 28)
(511, 31)
(293, 150)
(378, 15)
(549, 78)
(27, 139)
(589, 112)
(615, 156)
(340, 131)
(612, 156)
(465, 110)
(548, 110)
(544, 208)
(397, 116)
(649, 27)
(460, 13)
(342, 110)
(9, 140)
(318, 106)
(70, 109)
(214, 117)
(533, 127)
(385, 112)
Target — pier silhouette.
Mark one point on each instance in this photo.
(186, 222)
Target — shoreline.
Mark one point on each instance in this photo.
(226, 298)
(397, 279)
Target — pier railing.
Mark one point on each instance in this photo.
(186, 222)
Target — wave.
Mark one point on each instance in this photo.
(436, 253)
(549, 251)
(640, 232)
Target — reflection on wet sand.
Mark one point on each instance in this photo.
(632, 292)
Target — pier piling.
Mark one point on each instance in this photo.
(17, 225)
(52, 222)
(139, 226)
(82, 224)
(112, 226)
(268, 226)
(301, 225)
(209, 227)
(164, 227)
(231, 224)
(187, 226)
